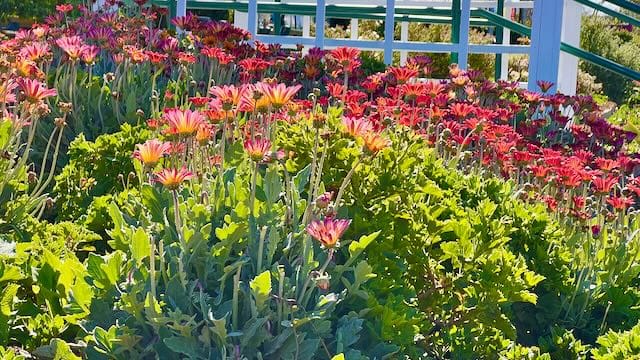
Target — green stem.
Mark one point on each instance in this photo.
(234, 300)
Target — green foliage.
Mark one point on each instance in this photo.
(33, 9)
(96, 169)
(45, 291)
(600, 37)
(450, 242)
(618, 345)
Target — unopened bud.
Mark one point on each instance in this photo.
(32, 177)
(60, 122)
(65, 107)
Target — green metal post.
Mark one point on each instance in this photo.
(277, 22)
(499, 34)
(455, 28)
(172, 13)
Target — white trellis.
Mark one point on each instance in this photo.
(553, 21)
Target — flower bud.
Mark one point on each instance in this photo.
(65, 107)
(109, 77)
(32, 177)
(323, 201)
(60, 122)
(323, 282)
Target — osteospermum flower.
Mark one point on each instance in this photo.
(374, 142)
(35, 51)
(72, 46)
(620, 203)
(151, 152)
(356, 126)
(328, 231)
(183, 122)
(34, 90)
(173, 178)
(278, 95)
(257, 149)
(229, 95)
(347, 57)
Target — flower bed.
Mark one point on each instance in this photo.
(217, 197)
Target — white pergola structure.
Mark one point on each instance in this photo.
(554, 22)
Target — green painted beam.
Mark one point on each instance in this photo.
(627, 5)
(610, 12)
(601, 61)
(301, 9)
(499, 34)
(333, 12)
(455, 28)
(502, 21)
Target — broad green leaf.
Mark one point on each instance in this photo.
(5, 132)
(357, 247)
(155, 201)
(250, 332)
(272, 185)
(261, 289)
(183, 345)
(140, 245)
(10, 273)
(6, 302)
(302, 179)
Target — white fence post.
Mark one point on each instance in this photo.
(545, 42)
(354, 29)
(320, 18)
(252, 18)
(568, 77)
(306, 26)
(404, 37)
(506, 39)
(389, 23)
(241, 19)
(181, 8)
(463, 47)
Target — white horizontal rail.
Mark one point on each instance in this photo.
(376, 45)
(420, 4)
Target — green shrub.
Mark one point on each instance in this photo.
(618, 345)
(598, 36)
(44, 292)
(95, 169)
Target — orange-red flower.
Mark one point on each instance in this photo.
(374, 142)
(402, 74)
(151, 152)
(183, 122)
(620, 203)
(173, 178)
(347, 57)
(328, 231)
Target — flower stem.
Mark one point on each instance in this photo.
(346, 182)
(234, 300)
